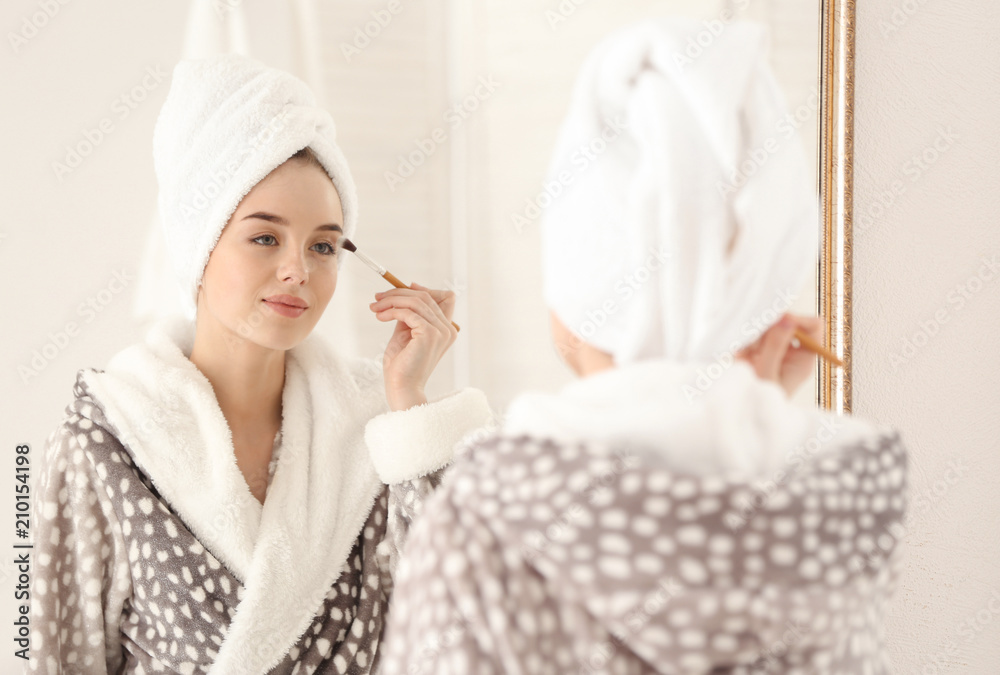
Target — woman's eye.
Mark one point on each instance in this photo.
(328, 248)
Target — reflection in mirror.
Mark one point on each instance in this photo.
(449, 116)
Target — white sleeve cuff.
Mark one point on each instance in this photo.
(407, 444)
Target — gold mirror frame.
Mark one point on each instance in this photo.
(836, 189)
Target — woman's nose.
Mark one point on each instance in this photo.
(294, 267)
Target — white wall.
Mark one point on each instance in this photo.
(939, 70)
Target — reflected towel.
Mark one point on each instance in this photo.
(688, 223)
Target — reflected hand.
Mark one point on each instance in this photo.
(775, 359)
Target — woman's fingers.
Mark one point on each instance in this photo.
(811, 326)
(423, 310)
(799, 362)
(432, 303)
(412, 319)
(767, 354)
(444, 299)
(414, 313)
(774, 345)
(773, 358)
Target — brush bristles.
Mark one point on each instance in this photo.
(349, 245)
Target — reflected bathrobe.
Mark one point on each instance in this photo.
(152, 555)
(613, 528)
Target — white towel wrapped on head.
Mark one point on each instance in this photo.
(229, 121)
(689, 222)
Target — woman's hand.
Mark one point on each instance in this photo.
(423, 334)
(774, 358)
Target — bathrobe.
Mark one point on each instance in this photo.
(613, 528)
(152, 555)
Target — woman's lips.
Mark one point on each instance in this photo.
(285, 310)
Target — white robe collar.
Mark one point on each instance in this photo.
(702, 420)
(288, 552)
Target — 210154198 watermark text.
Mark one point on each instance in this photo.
(22, 553)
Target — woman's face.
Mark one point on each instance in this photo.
(281, 241)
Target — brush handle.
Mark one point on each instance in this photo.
(390, 277)
(811, 345)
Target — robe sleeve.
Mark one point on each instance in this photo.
(411, 450)
(80, 579)
(408, 444)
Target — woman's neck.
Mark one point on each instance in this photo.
(248, 379)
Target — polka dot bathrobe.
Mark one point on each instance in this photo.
(152, 555)
(537, 556)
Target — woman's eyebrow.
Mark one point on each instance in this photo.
(278, 220)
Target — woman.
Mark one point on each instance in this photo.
(671, 511)
(228, 495)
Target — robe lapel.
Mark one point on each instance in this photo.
(323, 490)
(165, 413)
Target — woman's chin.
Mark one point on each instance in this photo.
(284, 336)
(275, 333)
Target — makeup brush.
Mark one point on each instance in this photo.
(811, 345)
(381, 271)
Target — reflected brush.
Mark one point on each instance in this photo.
(381, 271)
(811, 345)
(804, 340)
